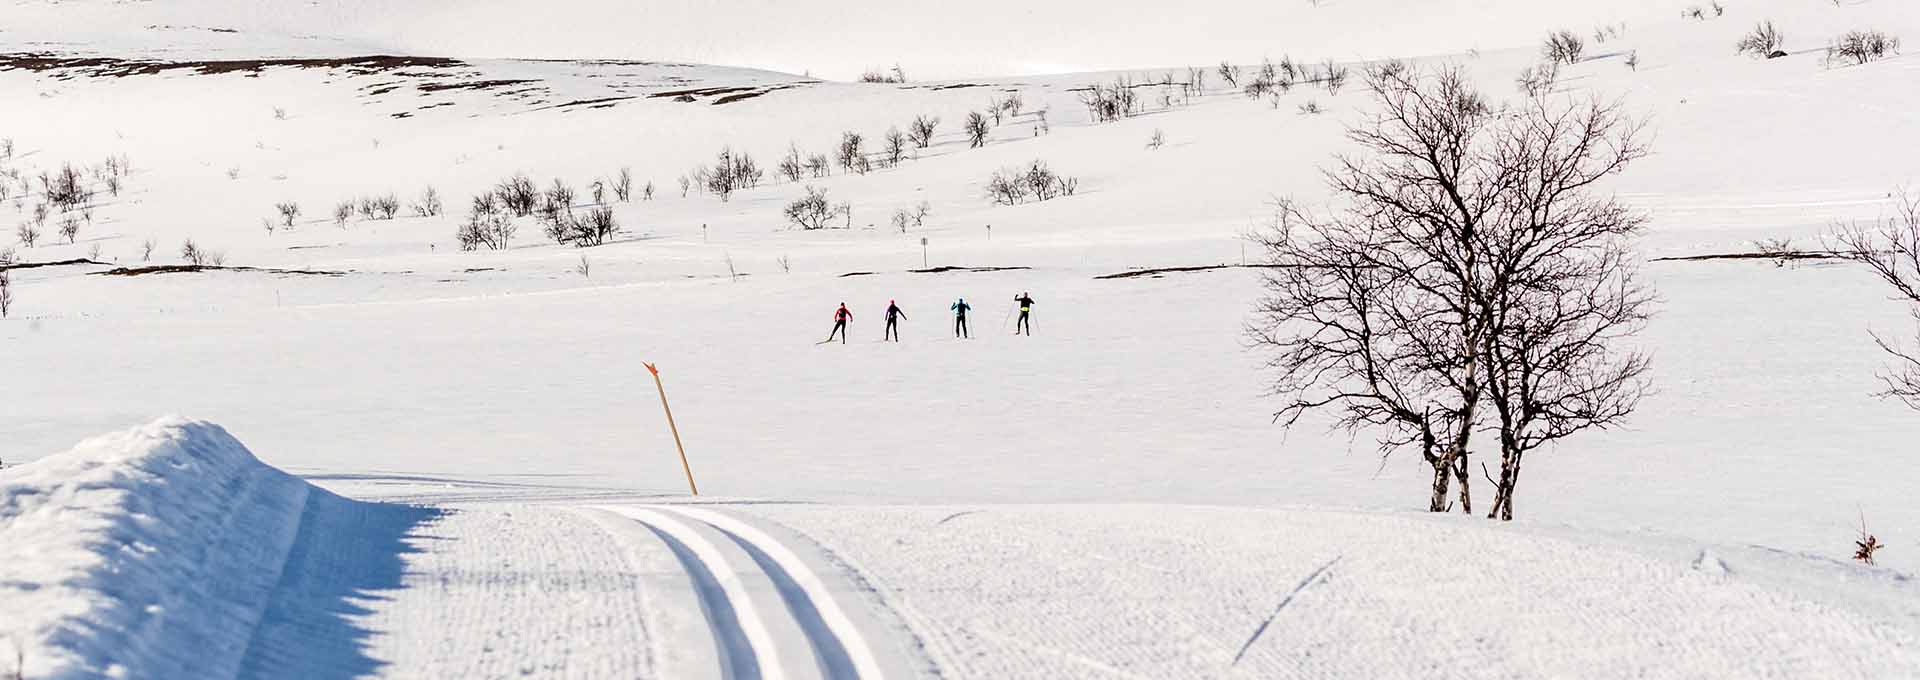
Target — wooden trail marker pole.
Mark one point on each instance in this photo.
(655, 370)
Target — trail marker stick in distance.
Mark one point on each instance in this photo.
(655, 370)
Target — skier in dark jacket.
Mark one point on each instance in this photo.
(840, 318)
(893, 316)
(1026, 307)
(960, 309)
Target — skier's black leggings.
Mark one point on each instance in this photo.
(1024, 322)
(841, 328)
(960, 327)
(893, 331)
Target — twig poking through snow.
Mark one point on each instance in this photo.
(1308, 581)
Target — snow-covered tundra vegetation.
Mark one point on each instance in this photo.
(1319, 301)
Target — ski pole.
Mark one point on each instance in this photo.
(676, 428)
(1010, 306)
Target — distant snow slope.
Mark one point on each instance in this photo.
(168, 551)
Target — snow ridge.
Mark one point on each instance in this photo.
(145, 553)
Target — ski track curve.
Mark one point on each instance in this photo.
(747, 650)
(840, 650)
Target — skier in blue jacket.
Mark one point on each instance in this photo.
(960, 308)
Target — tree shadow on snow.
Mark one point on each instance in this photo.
(348, 555)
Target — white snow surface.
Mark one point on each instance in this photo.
(479, 482)
(170, 551)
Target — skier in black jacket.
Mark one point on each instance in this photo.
(1026, 307)
(893, 330)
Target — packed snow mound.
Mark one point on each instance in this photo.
(146, 553)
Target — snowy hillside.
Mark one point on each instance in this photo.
(1107, 497)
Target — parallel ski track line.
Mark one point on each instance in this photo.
(837, 643)
(747, 650)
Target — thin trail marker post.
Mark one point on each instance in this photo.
(655, 370)
(923, 252)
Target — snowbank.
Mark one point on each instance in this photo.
(147, 553)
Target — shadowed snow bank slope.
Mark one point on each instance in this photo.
(146, 553)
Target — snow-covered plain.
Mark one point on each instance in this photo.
(1106, 498)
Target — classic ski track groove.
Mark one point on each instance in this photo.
(747, 648)
(738, 623)
(837, 643)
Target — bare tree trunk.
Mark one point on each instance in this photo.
(1441, 476)
(1509, 478)
(1466, 490)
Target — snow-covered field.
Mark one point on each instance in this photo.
(463, 471)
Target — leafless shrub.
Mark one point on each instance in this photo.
(1718, 9)
(1781, 250)
(646, 191)
(1633, 60)
(851, 154)
(487, 225)
(289, 211)
(194, 254)
(1563, 47)
(920, 131)
(6, 307)
(595, 227)
(382, 207)
(893, 75)
(812, 211)
(113, 185)
(27, 234)
(1013, 103)
(40, 212)
(1860, 47)
(1890, 248)
(1764, 42)
(1013, 186)
(1439, 302)
(1159, 139)
(519, 196)
(429, 204)
(1335, 77)
(790, 165)
(342, 212)
(1229, 74)
(786, 265)
(731, 171)
(93, 251)
(1110, 102)
(6, 148)
(818, 165)
(70, 228)
(279, 113)
(622, 185)
(66, 188)
(685, 182)
(1867, 545)
(976, 128)
(146, 249)
(893, 146)
(584, 269)
(233, 173)
(911, 217)
(1310, 108)
(1539, 79)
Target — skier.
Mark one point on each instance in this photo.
(893, 316)
(1026, 307)
(960, 309)
(840, 318)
